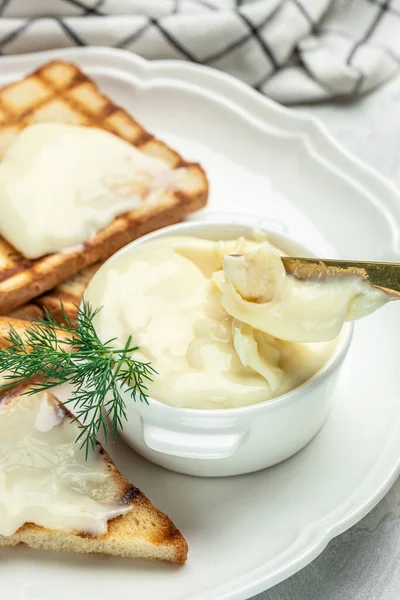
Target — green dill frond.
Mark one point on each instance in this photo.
(52, 354)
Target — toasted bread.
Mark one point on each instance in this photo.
(65, 297)
(143, 532)
(6, 322)
(68, 295)
(60, 92)
(27, 312)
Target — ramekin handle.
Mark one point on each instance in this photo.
(192, 444)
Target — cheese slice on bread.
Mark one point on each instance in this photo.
(51, 498)
(59, 92)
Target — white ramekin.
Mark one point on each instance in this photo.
(231, 441)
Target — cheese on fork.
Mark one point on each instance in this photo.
(257, 291)
(61, 184)
(44, 475)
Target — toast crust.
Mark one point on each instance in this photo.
(65, 297)
(60, 92)
(19, 325)
(27, 312)
(143, 532)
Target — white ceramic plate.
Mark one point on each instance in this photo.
(248, 533)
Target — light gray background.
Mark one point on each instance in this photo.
(364, 562)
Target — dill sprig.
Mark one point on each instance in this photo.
(52, 354)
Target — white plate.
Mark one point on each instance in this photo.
(248, 533)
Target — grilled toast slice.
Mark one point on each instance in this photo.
(60, 92)
(27, 312)
(67, 296)
(143, 532)
(5, 323)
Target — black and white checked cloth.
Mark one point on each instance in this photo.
(291, 50)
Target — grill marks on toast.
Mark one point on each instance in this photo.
(142, 532)
(28, 312)
(5, 324)
(60, 92)
(53, 87)
(67, 296)
(11, 261)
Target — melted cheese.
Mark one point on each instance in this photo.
(44, 477)
(164, 294)
(61, 184)
(256, 290)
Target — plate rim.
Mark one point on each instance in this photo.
(347, 166)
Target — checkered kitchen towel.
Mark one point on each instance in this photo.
(291, 50)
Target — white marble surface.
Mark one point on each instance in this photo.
(364, 562)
